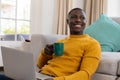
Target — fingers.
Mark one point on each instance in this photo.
(48, 49)
(50, 46)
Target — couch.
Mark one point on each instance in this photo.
(109, 67)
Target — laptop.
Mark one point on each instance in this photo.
(19, 65)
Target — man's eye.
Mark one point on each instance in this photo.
(73, 17)
(82, 17)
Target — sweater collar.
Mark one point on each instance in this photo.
(78, 36)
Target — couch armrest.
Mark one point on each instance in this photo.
(109, 63)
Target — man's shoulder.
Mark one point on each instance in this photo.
(93, 40)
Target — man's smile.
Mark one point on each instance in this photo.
(77, 26)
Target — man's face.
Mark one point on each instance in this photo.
(77, 22)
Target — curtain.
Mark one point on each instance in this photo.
(64, 7)
(94, 8)
(43, 16)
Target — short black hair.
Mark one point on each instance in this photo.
(73, 10)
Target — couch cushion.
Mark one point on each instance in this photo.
(109, 63)
(98, 76)
(106, 31)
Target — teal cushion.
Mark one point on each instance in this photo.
(106, 32)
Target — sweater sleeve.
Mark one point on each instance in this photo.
(88, 65)
(42, 59)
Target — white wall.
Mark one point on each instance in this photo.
(115, 9)
(43, 18)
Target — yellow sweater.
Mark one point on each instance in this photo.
(79, 61)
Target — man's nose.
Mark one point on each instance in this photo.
(78, 19)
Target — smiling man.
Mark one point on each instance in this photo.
(80, 58)
(77, 21)
(81, 54)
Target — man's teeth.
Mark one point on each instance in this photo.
(78, 25)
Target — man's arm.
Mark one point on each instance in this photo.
(45, 55)
(85, 73)
(88, 65)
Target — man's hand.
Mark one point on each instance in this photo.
(48, 49)
(49, 79)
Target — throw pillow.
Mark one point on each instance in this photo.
(106, 32)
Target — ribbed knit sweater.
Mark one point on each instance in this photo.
(79, 61)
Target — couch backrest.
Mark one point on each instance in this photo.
(117, 19)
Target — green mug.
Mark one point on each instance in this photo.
(58, 48)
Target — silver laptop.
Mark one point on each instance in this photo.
(19, 65)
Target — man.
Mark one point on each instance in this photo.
(81, 53)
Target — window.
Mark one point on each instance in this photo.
(14, 19)
(113, 8)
